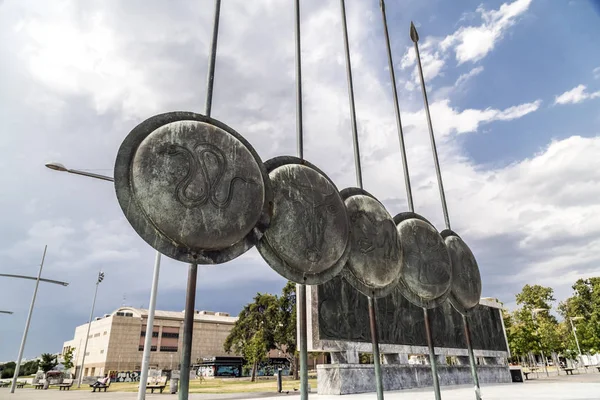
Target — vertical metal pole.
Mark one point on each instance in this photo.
(359, 182)
(212, 60)
(149, 330)
(397, 108)
(415, 38)
(375, 341)
(87, 336)
(188, 328)
(24, 339)
(471, 357)
(303, 344)
(432, 360)
(351, 97)
(575, 334)
(301, 305)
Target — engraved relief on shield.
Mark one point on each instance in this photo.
(309, 234)
(466, 279)
(427, 269)
(192, 187)
(211, 183)
(375, 261)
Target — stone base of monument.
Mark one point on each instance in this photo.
(360, 378)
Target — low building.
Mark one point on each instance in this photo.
(116, 341)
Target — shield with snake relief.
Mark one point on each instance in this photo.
(427, 268)
(375, 261)
(465, 291)
(307, 241)
(192, 188)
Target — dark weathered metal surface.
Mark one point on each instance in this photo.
(343, 315)
(465, 290)
(308, 239)
(427, 269)
(192, 188)
(375, 260)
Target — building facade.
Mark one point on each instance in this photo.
(116, 341)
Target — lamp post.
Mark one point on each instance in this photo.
(24, 339)
(5, 312)
(153, 293)
(87, 336)
(534, 312)
(575, 333)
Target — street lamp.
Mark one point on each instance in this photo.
(575, 333)
(534, 312)
(5, 312)
(87, 336)
(153, 293)
(24, 339)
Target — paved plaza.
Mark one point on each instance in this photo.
(577, 387)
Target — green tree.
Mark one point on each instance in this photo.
(253, 334)
(285, 333)
(532, 327)
(29, 368)
(48, 362)
(584, 306)
(68, 359)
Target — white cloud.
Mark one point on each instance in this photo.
(468, 43)
(596, 73)
(576, 95)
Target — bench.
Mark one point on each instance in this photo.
(66, 385)
(157, 384)
(527, 375)
(21, 385)
(40, 384)
(598, 368)
(100, 386)
(569, 370)
(4, 384)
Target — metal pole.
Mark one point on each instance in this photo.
(359, 182)
(375, 341)
(432, 360)
(188, 329)
(303, 345)
(415, 38)
(149, 330)
(87, 336)
(24, 339)
(212, 60)
(5, 312)
(33, 278)
(351, 97)
(397, 108)
(575, 334)
(537, 331)
(471, 357)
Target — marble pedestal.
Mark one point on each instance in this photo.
(360, 378)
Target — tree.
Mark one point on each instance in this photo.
(68, 359)
(48, 362)
(253, 334)
(532, 328)
(584, 303)
(536, 296)
(285, 333)
(29, 368)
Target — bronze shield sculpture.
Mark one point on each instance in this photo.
(192, 188)
(308, 239)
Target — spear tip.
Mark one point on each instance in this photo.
(413, 33)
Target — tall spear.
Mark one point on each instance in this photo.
(415, 38)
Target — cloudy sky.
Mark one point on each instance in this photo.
(515, 100)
